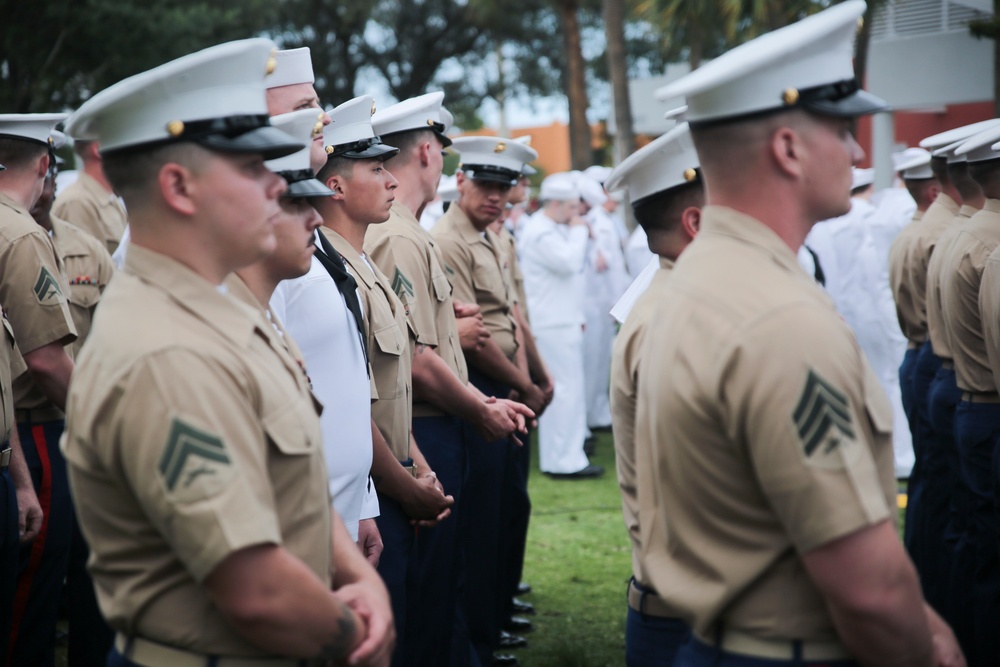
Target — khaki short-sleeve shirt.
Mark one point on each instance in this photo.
(762, 434)
(477, 267)
(989, 305)
(509, 245)
(33, 291)
(409, 257)
(88, 267)
(960, 288)
(909, 319)
(86, 204)
(11, 365)
(192, 434)
(935, 221)
(388, 347)
(936, 326)
(624, 386)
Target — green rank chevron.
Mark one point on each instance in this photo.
(401, 285)
(46, 286)
(821, 408)
(183, 442)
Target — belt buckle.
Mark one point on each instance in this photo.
(5, 457)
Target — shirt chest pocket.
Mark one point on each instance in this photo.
(390, 346)
(84, 296)
(442, 288)
(294, 429)
(488, 282)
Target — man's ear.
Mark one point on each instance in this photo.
(424, 153)
(42, 166)
(691, 221)
(178, 188)
(338, 184)
(786, 151)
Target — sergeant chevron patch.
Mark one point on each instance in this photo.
(401, 285)
(194, 463)
(46, 288)
(823, 420)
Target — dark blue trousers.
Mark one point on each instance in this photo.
(482, 534)
(434, 594)
(9, 546)
(43, 562)
(977, 428)
(924, 370)
(515, 513)
(652, 641)
(397, 567)
(90, 637)
(906, 370)
(696, 653)
(940, 499)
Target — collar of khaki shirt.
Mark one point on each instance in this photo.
(69, 243)
(723, 221)
(359, 269)
(8, 201)
(468, 232)
(97, 191)
(233, 319)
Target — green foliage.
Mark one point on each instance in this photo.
(58, 52)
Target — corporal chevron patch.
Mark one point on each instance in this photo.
(823, 421)
(46, 288)
(194, 463)
(402, 286)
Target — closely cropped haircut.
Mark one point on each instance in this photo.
(918, 188)
(341, 166)
(17, 154)
(133, 172)
(961, 178)
(660, 213)
(987, 174)
(406, 142)
(939, 167)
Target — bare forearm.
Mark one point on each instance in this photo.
(349, 565)
(18, 466)
(51, 368)
(492, 362)
(435, 383)
(536, 365)
(389, 476)
(275, 601)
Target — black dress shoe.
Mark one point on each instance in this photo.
(508, 640)
(588, 472)
(518, 624)
(505, 659)
(522, 607)
(589, 445)
(523, 588)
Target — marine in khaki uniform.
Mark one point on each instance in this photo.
(764, 451)
(449, 415)
(88, 267)
(496, 492)
(940, 509)
(408, 488)
(89, 203)
(667, 194)
(191, 430)
(20, 512)
(977, 416)
(33, 291)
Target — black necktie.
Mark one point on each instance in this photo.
(348, 287)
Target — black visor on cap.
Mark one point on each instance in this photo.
(268, 141)
(489, 172)
(363, 149)
(304, 183)
(843, 99)
(439, 129)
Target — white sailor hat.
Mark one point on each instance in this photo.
(214, 98)
(350, 132)
(291, 67)
(982, 147)
(680, 114)
(36, 127)
(559, 187)
(527, 169)
(598, 172)
(497, 159)
(861, 177)
(667, 162)
(591, 191)
(423, 112)
(917, 167)
(944, 140)
(304, 125)
(905, 155)
(805, 65)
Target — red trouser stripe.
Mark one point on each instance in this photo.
(38, 544)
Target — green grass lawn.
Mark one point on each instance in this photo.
(578, 562)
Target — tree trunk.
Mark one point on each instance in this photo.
(695, 46)
(576, 86)
(615, 30)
